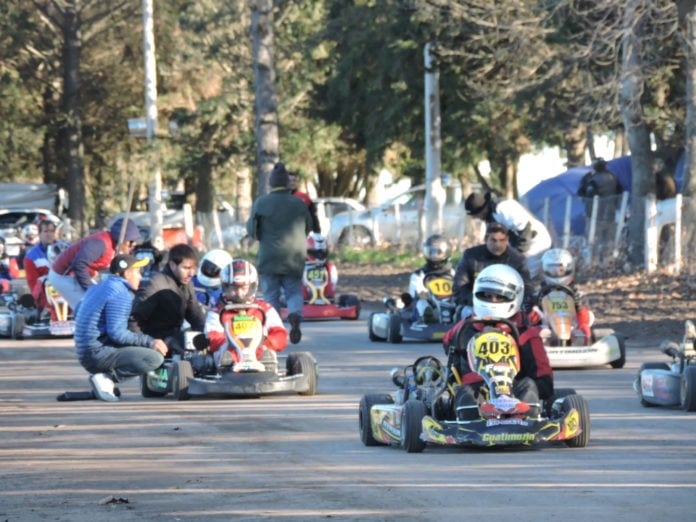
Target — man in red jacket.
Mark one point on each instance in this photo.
(77, 268)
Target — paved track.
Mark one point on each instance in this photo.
(300, 458)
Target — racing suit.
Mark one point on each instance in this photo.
(275, 338)
(533, 382)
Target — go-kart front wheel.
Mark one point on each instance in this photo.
(303, 363)
(366, 435)
(181, 373)
(146, 391)
(580, 404)
(688, 389)
(412, 426)
(394, 329)
(621, 361)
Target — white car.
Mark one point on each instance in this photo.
(329, 207)
(397, 221)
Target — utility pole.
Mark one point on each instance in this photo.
(155, 186)
(433, 180)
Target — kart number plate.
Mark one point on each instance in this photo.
(245, 324)
(440, 287)
(316, 274)
(494, 347)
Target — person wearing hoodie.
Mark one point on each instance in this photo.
(78, 267)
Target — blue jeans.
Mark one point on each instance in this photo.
(271, 286)
(122, 363)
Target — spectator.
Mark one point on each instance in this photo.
(496, 250)
(162, 306)
(105, 347)
(281, 222)
(8, 269)
(207, 281)
(37, 264)
(77, 268)
(311, 206)
(527, 234)
(601, 182)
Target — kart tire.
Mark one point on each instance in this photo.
(394, 329)
(688, 388)
(146, 392)
(348, 300)
(371, 332)
(411, 426)
(579, 403)
(558, 393)
(621, 361)
(181, 372)
(302, 363)
(648, 366)
(366, 403)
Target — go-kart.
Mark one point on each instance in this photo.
(422, 411)
(566, 346)
(20, 318)
(192, 370)
(673, 384)
(315, 280)
(398, 321)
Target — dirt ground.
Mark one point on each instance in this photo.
(646, 308)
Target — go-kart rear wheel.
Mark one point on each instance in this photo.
(621, 361)
(648, 366)
(366, 403)
(412, 426)
(148, 393)
(181, 373)
(349, 300)
(580, 404)
(688, 388)
(394, 329)
(303, 363)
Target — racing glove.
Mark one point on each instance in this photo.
(583, 320)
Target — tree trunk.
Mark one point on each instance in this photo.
(71, 113)
(267, 144)
(575, 143)
(632, 85)
(243, 195)
(689, 180)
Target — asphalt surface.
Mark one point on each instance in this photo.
(298, 458)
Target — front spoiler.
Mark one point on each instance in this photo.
(604, 351)
(256, 383)
(501, 432)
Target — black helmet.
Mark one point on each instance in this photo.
(436, 249)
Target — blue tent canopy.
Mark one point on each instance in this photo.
(558, 188)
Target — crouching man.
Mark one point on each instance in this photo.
(105, 347)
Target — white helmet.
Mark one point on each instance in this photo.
(239, 282)
(498, 292)
(30, 232)
(316, 247)
(211, 265)
(558, 266)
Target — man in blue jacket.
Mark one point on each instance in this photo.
(105, 346)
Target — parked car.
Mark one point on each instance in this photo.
(397, 220)
(329, 207)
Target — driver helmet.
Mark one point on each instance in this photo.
(239, 281)
(498, 292)
(436, 250)
(211, 265)
(30, 232)
(558, 267)
(56, 249)
(316, 247)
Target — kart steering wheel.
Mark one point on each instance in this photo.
(421, 367)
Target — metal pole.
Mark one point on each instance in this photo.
(150, 61)
(432, 206)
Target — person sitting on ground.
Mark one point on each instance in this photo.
(421, 300)
(527, 234)
(495, 250)
(207, 281)
(162, 306)
(77, 268)
(498, 294)
(239, 281)
(106, 348)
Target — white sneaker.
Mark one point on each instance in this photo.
(103, 387)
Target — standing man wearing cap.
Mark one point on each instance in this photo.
(527, 234)
(105, 346)
(496, 250)
(280, 222)
(77, 267)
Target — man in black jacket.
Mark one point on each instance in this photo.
(162, 306)
(496, 250)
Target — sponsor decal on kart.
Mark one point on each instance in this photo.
(506, 422)
(61, 327)
(571, 424)
(508, 437)
(389, 429)
(646, 385)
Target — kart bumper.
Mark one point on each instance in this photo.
(247, 384)
(501, 432)
(604, 351)
(409, 329)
